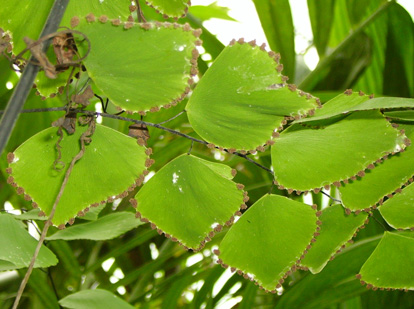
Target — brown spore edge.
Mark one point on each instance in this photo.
(210, 235)
(358, 175)
(147, 26)
(279, 68)
(370, 286)
(350, 241)
(188, 4)
(292, 269)
(81, 213)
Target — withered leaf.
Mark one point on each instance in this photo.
(84, 97)
(38, 53)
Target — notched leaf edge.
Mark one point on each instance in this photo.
(20, 190)
(90, 18)
(358, 175)
(279, 68)
(296, 265)
(188, 4)
(218, 228)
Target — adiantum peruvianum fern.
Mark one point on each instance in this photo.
(242, 105)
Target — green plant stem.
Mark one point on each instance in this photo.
(309, 82)
(25, 84)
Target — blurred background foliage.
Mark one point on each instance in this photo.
(366, 45)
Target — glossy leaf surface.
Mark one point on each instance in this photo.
(334, 283)
(170, 8)
(18, 247)
(337, 228)
(13, 16)
(269, 239)
(384, 179)
(344, 104)
(399, 210)
(390, 265)
(238, 103)
(299, 154)
(97, 298)
(141, 69)
(188, 198)
(106, 227)
(117, 160)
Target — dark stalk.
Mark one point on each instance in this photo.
(19, 96)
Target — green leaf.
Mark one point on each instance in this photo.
(387, 177)
(143, 68)
(94, 299)
(30, 215)
(321, 17)
(238, 103)
(371, 79)
(390, 265)
(337, 228)
(335, 283)
(398, 211)
(269, 240)
(350, 102)
(210, 11)
(299, 156)
(112, 9)
(106, 227)
(276, 19)
(49, 87)
(407, 115)
(13, 16)
(32, 170)
(189, 198)
(170, 8)
(18, 247)
(93, 214)
(399, 63)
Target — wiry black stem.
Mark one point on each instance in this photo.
(150, 124)
(332, 198)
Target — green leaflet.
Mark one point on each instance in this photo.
(98, 298)
(387, 177)
(18, 247)
(206, 12)
(242, 99)
(13, 16)
(117, 161)
(170, 8)
(47, 87)
(189, 198)
(269, 240)
(299, 156)
(350, 102)
(401, 115)
(334, 283)
(399, 210)
(106, 227)
(142, 68)
(390, 265)
(337, 228)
